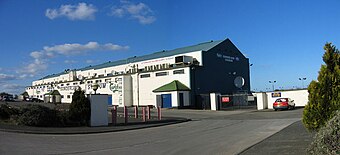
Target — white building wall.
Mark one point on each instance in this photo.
(174, 99)
(265, 100)
(141, 87)
(300, 97)
(262, 102)
(127, 91)
(147, 85)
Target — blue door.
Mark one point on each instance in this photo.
(109, 100)
(166, 101)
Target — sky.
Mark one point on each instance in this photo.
(283, 39)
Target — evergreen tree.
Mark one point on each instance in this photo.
(324, 94)
(80, 108)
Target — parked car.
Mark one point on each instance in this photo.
(8, 99)
(34, 100)
(283, 103)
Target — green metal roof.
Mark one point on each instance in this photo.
(24, 94)
(172, 86)
(54, 92)
(199, 47)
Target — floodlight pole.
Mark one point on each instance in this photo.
(273, 83)
(302, 80)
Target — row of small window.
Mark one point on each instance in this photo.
(41, 96)
(98, 81)
(181, 71)
(37, 87)
(67, 84)
(38, 96)
(68, 96)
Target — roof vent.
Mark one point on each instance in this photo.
(211, 41)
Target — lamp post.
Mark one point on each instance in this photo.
(303, 79)
(273, 83)
(95, 87)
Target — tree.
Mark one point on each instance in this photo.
(327, 140)
(324, 94)
(80, 108)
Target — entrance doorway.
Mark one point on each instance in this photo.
(166, 101)
(109, 100)
(181, 100)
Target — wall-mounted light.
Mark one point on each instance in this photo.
(95, 87)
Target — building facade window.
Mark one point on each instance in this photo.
(68, 96)
(162, 73)
(181, 71)
(144, 75)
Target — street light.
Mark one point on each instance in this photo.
(303, 79)
(95, 87)
(273, 82)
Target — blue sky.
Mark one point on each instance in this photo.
(283, 39)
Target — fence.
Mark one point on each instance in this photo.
(238, 100)
(134, 114)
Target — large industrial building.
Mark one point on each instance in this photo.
(174, 78)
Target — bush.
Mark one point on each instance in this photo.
(6, 111)
(38, 115)
(80, 108)
(327, 140)
(324, 94)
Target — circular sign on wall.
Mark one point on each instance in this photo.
(239, 82)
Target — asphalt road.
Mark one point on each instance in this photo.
(209, 132)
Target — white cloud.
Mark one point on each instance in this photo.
(12, 88)
(82, 11)
(70, 61)
(42, 57)
(23, 76)
(140, 12)
(36, 54)
(145, 19)
(7, 77)
(33, 68)
(89, 61)
(74, 49)
(112, 47)
(118, 12)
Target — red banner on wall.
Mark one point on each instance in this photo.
(225, 99)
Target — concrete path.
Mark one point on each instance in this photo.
(293, 140)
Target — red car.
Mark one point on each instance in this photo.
(283, 103)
